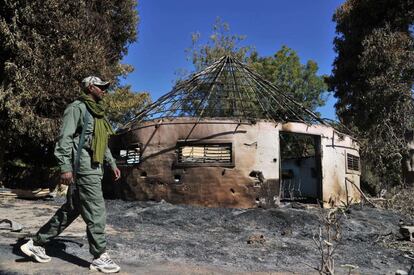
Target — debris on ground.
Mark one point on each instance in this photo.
(256, 239)
(401, 272)
(7, 193)
(161, 238)
(407, 232)
(10, 225)
(350, 267)
(24, 193)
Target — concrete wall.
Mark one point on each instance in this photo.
(251, 180)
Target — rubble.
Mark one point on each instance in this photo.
(24, 193)
(10, 225)
(407, 232)
(256, 239)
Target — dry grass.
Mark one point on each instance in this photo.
(327, 239)
(400, 200)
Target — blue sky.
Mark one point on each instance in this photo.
(166, 26)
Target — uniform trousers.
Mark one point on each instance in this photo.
(89, 203)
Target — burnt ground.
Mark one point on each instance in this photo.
(160, 238)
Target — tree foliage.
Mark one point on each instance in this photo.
(123, 104)
(221, 42)
(285, 70)
(46, 48)
(373, 77)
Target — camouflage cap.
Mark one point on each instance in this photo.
(96, 81)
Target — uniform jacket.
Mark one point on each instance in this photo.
(67, 145)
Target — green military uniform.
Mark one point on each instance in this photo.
(88, 198)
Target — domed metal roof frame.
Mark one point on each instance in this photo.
(227, 89)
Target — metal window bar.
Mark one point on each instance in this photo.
(205, 153)
(129, 156)
(352, 162)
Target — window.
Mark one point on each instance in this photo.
(352, 163)
(129, 156)
(205, 154)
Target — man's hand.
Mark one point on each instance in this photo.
(66, 178)
(117, 174)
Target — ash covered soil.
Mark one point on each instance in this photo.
(161, 238)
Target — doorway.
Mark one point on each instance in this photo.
(300, 167)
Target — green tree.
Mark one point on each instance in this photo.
(299, 80)
(221, 42)
(46, 48)
(372, 78)
(123, 104)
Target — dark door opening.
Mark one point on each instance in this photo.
(301, 173)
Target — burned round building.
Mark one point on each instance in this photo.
(226, 137)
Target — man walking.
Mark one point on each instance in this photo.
(81, 151)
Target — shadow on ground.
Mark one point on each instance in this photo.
(55, 249)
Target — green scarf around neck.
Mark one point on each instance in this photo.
(102, 129)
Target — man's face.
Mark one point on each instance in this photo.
(96, 92)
